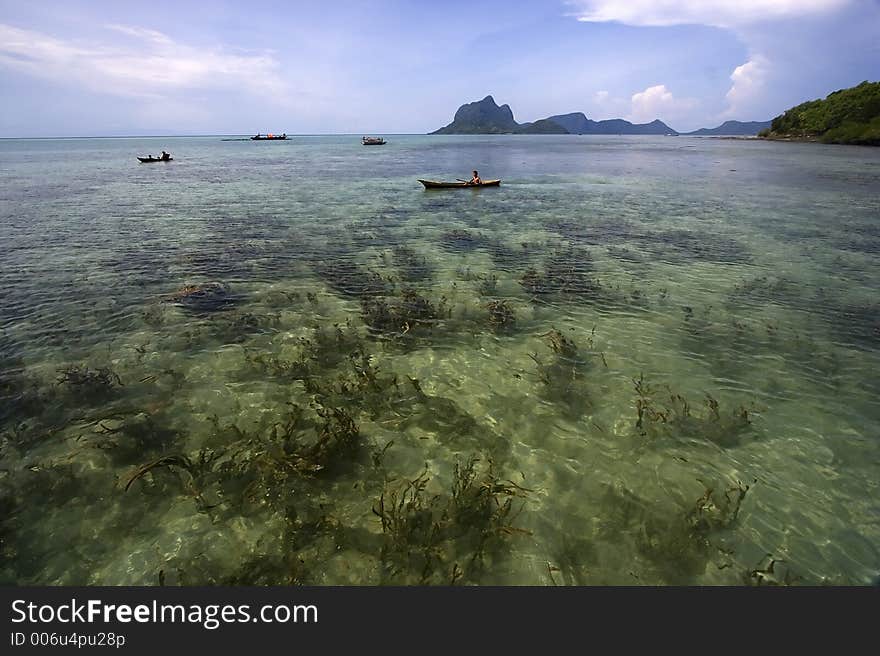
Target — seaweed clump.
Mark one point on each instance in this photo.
(253, 468)
(90, 384)
(411, 266)
(462, 241)
(677, 543)
(325, 349)
(447, 538)
(349, 279)
(682, 546)
(409, 314)
(564, 375)
(203, 298)
(564, 275)
(501, 316)
(666, 413)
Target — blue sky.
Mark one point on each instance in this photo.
(119, 67)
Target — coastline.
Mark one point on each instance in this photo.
(817, 139)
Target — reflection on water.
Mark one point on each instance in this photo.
(639, 361)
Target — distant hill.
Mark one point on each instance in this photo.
(732, 128)
(486, 117)
(544, 126)
(848, 116)
(577, 123)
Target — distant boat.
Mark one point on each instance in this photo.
(431, 184)
(373, 141)
(269, 137)
(150, 158)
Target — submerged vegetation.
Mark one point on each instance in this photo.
(661, 412)
(207, 297)
(567, 375)
(461, 241)
(345, 417)
(92, 385)
(447, 537)
(348, 393)
(411, 313)
(565, 274)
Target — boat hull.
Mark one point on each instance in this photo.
(431, 184)
(149, 160)
(269, 138)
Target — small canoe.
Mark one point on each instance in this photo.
(431, 184)
(373, 141)
(154, 159)
(271, 137)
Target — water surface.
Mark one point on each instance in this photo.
(645, 360)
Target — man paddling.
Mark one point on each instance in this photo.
(475, 180)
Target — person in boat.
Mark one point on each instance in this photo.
(475, 180)
(165, 156)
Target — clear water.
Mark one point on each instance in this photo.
(726, 290)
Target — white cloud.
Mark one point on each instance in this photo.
(658, 102)
(605, 105)
(141, 33)
(748, 84)
(718, 13)
(151, 66)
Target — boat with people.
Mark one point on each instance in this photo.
(164, 157)
(461, 184)
(269, 137)
(373, 141)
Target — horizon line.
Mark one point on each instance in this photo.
(177, 136)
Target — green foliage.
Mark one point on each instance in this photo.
(867, 134)
(447, 537)
(849, 116)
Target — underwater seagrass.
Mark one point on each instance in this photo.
(449, 537)
(661, 412)
(565, 377)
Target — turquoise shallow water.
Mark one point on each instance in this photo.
(638, 361)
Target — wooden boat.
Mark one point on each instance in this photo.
(373, 141)
(431, 184)
(154, 159)
(269, 137)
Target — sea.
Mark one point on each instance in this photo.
(638, 361)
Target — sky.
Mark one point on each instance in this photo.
(121, 67)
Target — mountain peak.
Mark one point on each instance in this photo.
(481, 117)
